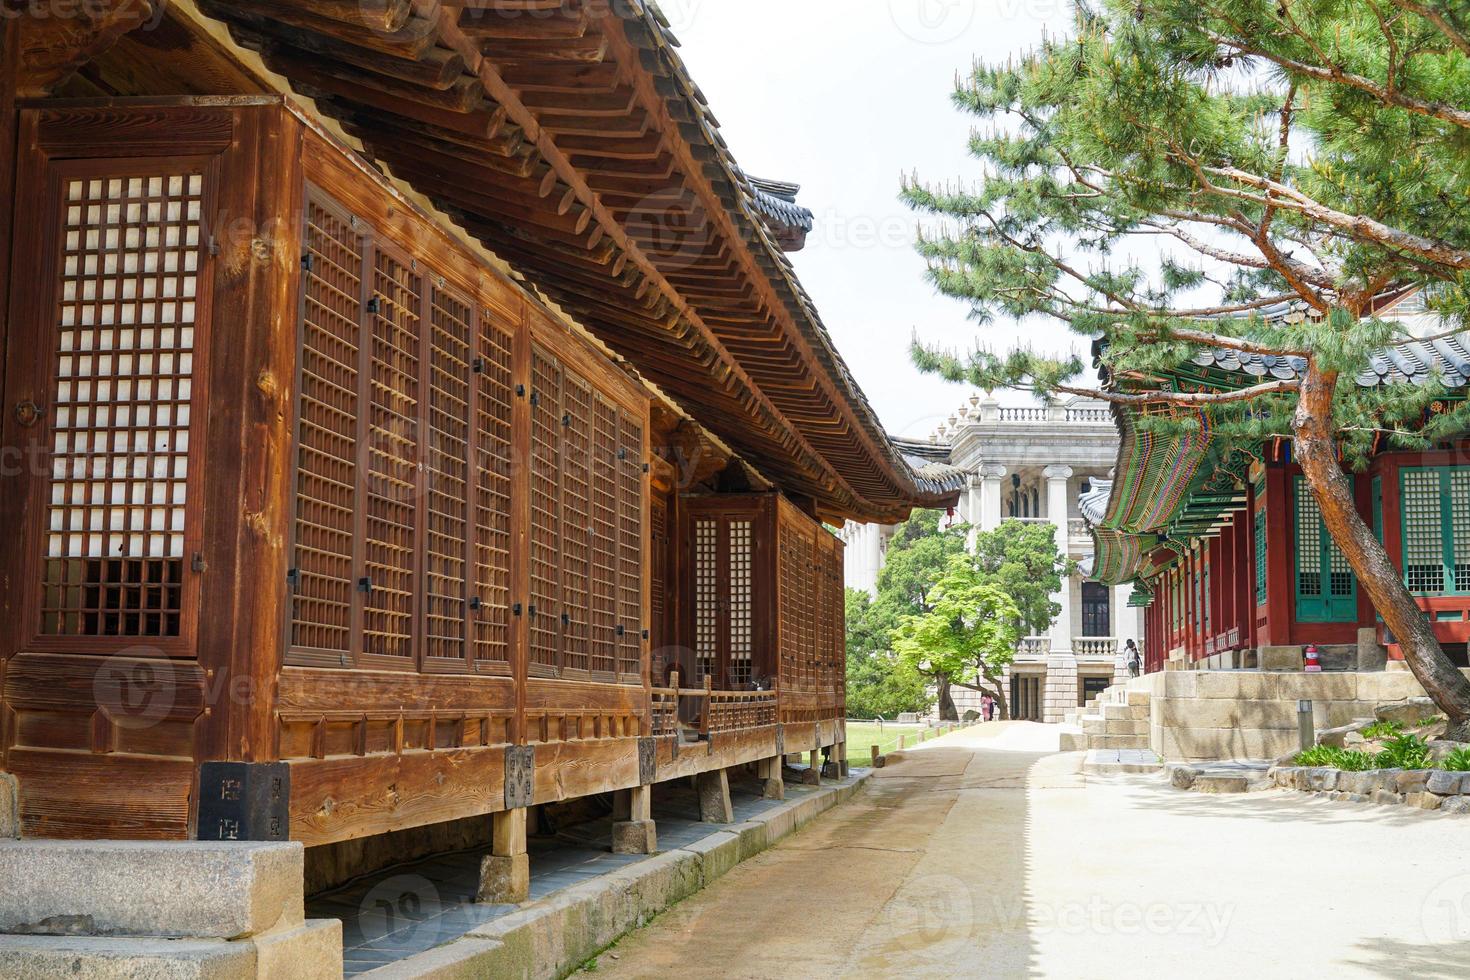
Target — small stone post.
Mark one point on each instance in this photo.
(505, 873)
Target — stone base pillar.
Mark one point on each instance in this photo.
(633, 830)
(813, 774)
(714, 797)
(1059, 690)
(505, 873)
(9, 806)
(773, 784)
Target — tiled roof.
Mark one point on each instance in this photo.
(1415, 361)
(777, 201)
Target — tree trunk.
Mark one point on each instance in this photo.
(1316, 451)
(946, 702)
(1002, 709)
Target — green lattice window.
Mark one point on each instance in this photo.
(1326, 589)
(1260, 557)
(1204, 596)
(1435, 510)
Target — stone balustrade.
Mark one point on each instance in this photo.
(1095, 647)
(1034, 648)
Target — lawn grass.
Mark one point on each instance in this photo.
(861, 736)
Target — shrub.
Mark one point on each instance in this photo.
(1457, 761)
(1382, 729)
(1331, 757)
(1405, 752)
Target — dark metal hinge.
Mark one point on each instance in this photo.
(308, 261)
(365, 584)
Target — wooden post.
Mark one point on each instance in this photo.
(813, 775)
(636, 833)
(505, 873)
(901, 740)
(876, 757)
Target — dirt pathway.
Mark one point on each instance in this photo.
(985, 854)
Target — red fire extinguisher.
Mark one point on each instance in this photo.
(1314, 665)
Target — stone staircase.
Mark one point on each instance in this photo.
(1114, 733)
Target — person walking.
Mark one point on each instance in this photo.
(987, 707)
(1135, 662)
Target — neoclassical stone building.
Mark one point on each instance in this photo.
(1032, 464)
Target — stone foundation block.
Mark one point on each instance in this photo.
(1280, 658)
(92, 958)
(714, 797)
(1424, 801)
(634, 837)
(1384, 797)
(312, 951)
(775, 789)
(1073, 742)
(1412, 781)
(504, 879)
(9, 806)
(1409, 712)
(1455, 804)
(1445, 783)
(142, 889)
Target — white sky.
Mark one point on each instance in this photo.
(845, 97)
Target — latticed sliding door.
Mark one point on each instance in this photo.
(389, 583)
(604, 575)
(401, 538)
(724, 600)
(630, 626)
(118, 338)
(1326, 589)
(323, 627)
(544, 607)
(449, 541)
(576, 524)
(494, 406)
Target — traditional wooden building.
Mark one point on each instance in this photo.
(411, 414)
(1226, 546)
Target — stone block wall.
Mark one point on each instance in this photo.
(1201, 715)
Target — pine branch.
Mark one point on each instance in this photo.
(1455, 35)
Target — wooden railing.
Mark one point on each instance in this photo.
(719, 711)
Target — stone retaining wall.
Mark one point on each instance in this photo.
(1246, 714)
(1426, 789)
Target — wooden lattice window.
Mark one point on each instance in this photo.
(389, 581)
(1435, 505)
(546, 445)
(493, 452)
(630, 549)
(327, 434)
(741, 550)
(576, 522)
(1424, 531)
(1327, 590)
(117, 515)
(1261, 581)
(604, 585)
(706, 598)
(451, 333)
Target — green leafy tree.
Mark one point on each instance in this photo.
(972, 628)
(879, 684)
(919, 553)
(1311, 156)
(1021, 559)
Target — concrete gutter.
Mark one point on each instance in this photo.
(554, 936)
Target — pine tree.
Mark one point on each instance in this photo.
(1312, 153)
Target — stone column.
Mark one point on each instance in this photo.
(1059, 694)
(991, 477)
(872, 557)
(714, 796)
(634, 831)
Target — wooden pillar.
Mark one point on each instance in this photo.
(634, 831)
(714, 797)
(813, 776)
(1280, 548)
(505, 873)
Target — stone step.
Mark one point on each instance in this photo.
(1120, 762)
(1125, 712)
(1117, 742)
(1074, 742)
(1223, 777)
